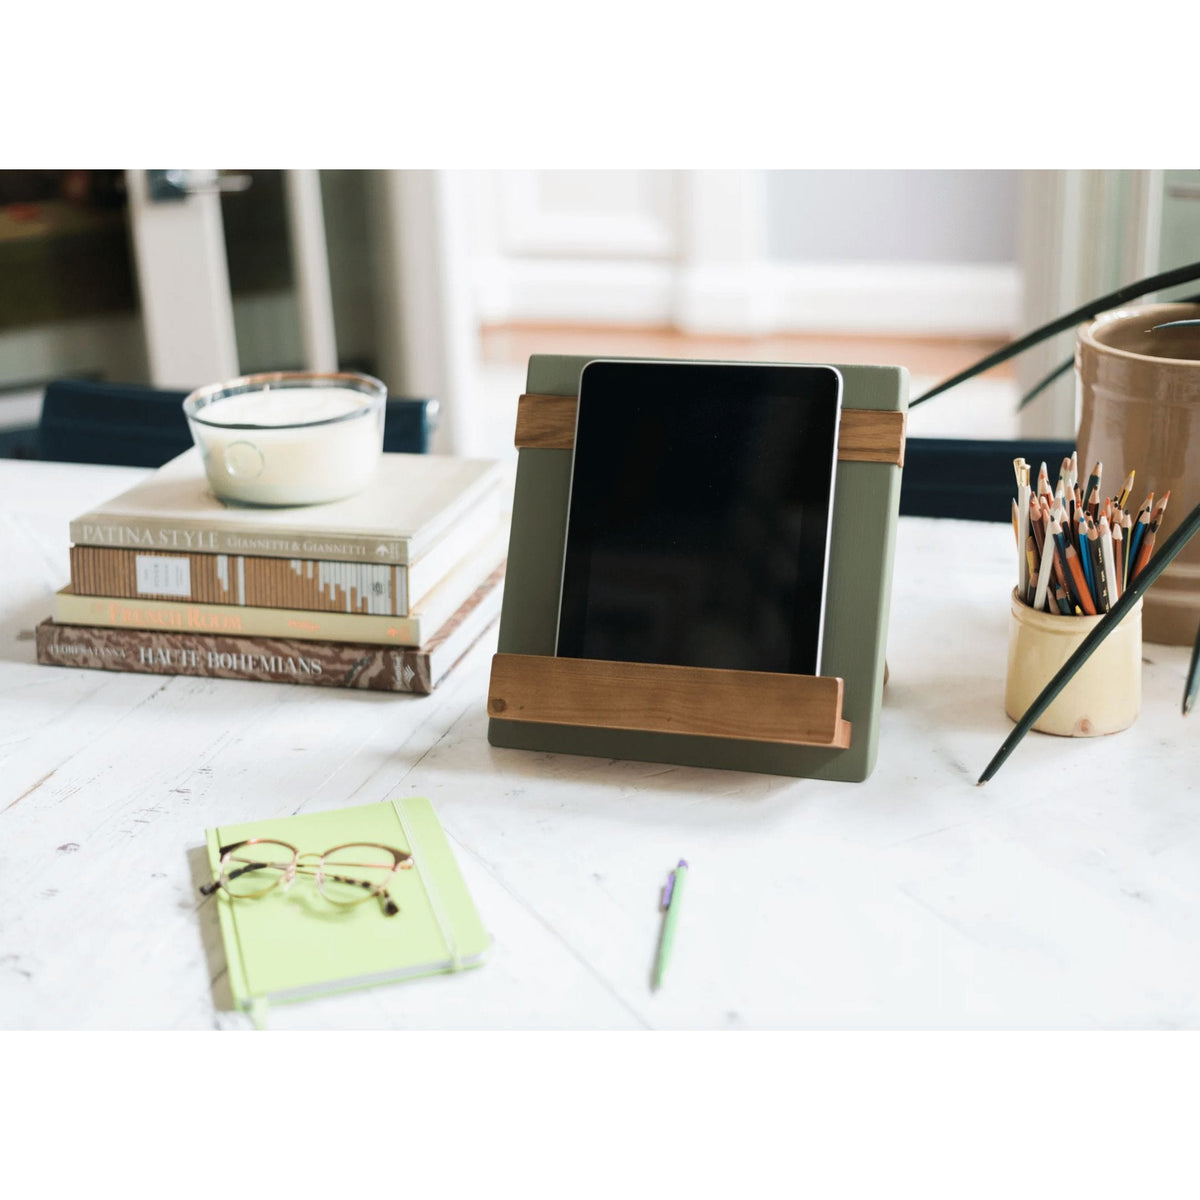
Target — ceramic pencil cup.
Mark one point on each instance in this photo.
(1106, 693)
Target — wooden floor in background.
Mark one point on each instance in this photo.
(936, 358)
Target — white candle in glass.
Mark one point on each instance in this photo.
(306, 445)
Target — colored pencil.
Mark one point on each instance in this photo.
(1145, 549)
(1091, 495)
(1058, 547)
(1123, 495)
(1126, 547)
(1139, 530)
(1022, 470)
(1082, 592)
(1110, 566)
(1035, 526)
(1117, 548)
(1043, 575)
(1085, 556)
(1102, 597)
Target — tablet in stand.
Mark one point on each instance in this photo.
(821, 727)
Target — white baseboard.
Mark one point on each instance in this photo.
(928, 299)
(905, 298)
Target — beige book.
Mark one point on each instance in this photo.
(414, 502)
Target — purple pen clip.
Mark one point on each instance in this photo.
(669, 890)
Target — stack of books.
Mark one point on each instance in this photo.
(385, 590)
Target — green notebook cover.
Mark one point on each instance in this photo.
(294, 944)
(865, 508)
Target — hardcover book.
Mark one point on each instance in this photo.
(293, 942)
(390, 589)
(184, 616)
(414, 501)
(276, 660)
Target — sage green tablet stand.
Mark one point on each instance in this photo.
(866, 503)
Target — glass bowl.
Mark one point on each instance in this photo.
(288, 437)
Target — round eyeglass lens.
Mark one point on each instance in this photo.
(351, 874)
(255, 868)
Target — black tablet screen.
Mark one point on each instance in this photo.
(699, 515)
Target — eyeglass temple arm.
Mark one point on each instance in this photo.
(207, 889)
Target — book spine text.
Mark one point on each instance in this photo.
(150, 535)
(272, 660)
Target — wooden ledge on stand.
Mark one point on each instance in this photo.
(756, 706)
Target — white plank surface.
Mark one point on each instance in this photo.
(1065, 894)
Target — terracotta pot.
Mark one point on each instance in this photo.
(1140, 399)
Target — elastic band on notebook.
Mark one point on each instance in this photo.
(435, 901)
(258, 1012)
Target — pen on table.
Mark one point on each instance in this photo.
(671, 897)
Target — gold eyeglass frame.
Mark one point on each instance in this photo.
(287, 872)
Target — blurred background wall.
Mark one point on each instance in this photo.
(442, 282)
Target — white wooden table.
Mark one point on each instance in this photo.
(1065, 894)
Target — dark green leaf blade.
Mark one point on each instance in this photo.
(1191, 686)
(1172, 325)
(1131, 291)
(1039, 387)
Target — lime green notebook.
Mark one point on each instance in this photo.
(292, 942)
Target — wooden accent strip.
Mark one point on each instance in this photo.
(755, 706)
(546, 422)
(872, 435)
(867, 435)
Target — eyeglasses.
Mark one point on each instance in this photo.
(345, 875)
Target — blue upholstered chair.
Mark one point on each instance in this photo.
(133, 426)
(971, 480)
